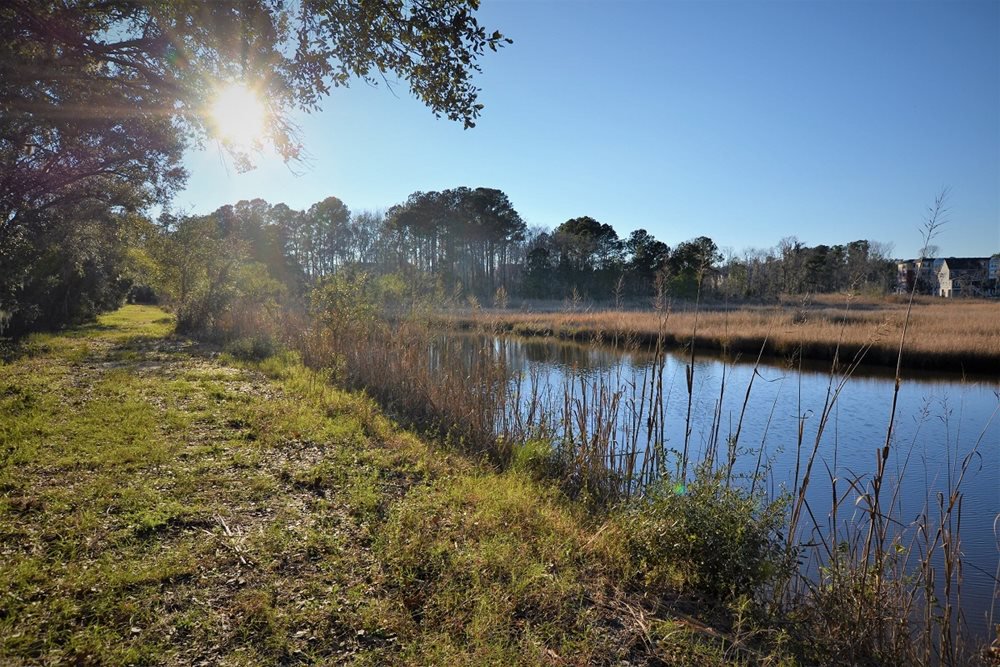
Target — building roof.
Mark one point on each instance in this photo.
(966, 263)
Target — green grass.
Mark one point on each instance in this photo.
(163, 505)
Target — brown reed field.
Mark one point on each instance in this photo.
(960, 335)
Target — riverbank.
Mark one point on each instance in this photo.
(161, 503)
(961, 336)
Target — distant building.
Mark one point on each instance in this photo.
(963, 276)
(950, 277)
(904, 276)
(919, 271)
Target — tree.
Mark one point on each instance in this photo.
(368, 230)
(691, 262)
(646, 257)
(460, 235)
(792, 253)
(91, 91)
(494, 225)
(198, 259)
(82, 81)
(220, 268)
(421, 221)
(70, 265)
(817, 269)
(329, 222)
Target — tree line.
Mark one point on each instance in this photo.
(472, 242)
(461, 241)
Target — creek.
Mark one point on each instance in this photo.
(944, 424)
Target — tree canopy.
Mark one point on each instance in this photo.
(117, 87)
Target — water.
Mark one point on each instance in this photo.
(940, 420)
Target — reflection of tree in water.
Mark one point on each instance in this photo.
(569, 355)
(520, 354)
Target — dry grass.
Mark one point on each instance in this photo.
(958, 335)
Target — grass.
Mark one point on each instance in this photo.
(958, 335)
(163, 504)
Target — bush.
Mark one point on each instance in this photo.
(534, 457)
(252, 348)
(707, 536)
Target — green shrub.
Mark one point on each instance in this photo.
(534, 457)
(252, 348)
(706, 536)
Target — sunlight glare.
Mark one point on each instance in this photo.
(238, 116)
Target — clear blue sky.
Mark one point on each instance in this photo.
(743, 121)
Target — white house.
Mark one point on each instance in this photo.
(950, 276)
(963, 276)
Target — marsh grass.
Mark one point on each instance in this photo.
(944, 334)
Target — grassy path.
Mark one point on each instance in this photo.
(160, 504)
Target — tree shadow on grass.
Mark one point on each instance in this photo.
(87, 330)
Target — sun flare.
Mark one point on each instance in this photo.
(238, 116)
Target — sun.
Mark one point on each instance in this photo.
(238, 116)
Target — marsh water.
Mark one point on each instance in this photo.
(944, 424)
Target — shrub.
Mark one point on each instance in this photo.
(252, 348)
(534, 457)
(706, 536)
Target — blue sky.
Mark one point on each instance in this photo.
(743, 121)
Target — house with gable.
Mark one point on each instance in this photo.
(950, 277)
(964, 276)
